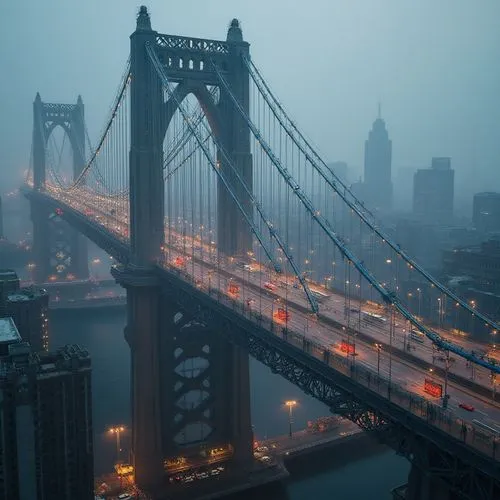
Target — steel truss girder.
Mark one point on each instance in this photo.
(468, 474)
(463, 479)
(189, 340)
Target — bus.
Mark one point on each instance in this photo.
(373, 318)
(319, 295)
(417, 336)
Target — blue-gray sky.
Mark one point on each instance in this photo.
(434, 65)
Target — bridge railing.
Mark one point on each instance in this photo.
(480, 439)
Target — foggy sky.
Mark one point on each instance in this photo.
(434, 65)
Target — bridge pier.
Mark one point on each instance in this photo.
(58, 248)
(423, 485)
(142, 333)
(190, 389)
(41, 242)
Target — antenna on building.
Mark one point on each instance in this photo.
(379, 111)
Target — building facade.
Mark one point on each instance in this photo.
(377, 185)
(46, 448)
(433, 192)
(9, 283)
(486, 212)
(29, 309)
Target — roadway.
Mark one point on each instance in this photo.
(200, 261)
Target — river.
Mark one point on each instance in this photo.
(101, 332)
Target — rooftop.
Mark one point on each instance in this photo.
(25, 294)
(8, 331)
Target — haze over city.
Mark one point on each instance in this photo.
(432, 65)
(250, 250)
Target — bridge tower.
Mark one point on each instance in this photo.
(58, 249)
(168, 402)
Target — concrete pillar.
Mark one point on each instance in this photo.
(146, 236)
(146, 149)
(142, 332)
(78, 242)
(41, 242)
(234, 235)
(39, 143)
(423, 486)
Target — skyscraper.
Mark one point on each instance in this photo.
(378, 160)
(45, 423)
(9, 283)
(433, 191)
(1, 219)
(29, 308)
(486, 212)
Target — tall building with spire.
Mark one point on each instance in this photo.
(377, 189)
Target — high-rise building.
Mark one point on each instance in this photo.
(378, 161)
(433, 191)
(29, 308)
(340, 169)
(9, 283)
(1, 219)
(486, 212)
(46, 447)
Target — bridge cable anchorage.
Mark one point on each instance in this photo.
(273, 233)
(355, 204)
(387, 296)
(161, 73)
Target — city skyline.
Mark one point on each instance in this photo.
(437, 101)
(234, 238)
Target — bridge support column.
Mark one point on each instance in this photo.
(79, 254)
(41, 242)
(142, 333)
(423, 485)
(234, 235)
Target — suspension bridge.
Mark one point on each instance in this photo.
(233, 237)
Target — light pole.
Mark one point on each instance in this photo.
(446, 368)
(116, 431)
(379, 348)
(473, 304)
(290, 405)
(419, 302)
(439, 312)
(31, 266)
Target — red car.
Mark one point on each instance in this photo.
(466, 406)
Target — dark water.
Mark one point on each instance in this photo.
(101, 332)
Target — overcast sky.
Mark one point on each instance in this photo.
(434, 65)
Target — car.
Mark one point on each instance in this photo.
(270, 286)
(466, 406)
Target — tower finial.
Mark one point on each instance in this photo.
(79, 101)
(379, 111)
(143, 20)
(234, 33)
(37, 97)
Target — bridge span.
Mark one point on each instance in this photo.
(234, 238)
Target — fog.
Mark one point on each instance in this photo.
(432, 65)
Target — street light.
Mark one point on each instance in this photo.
(379, 348)
(290, 405)
(117, 430)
